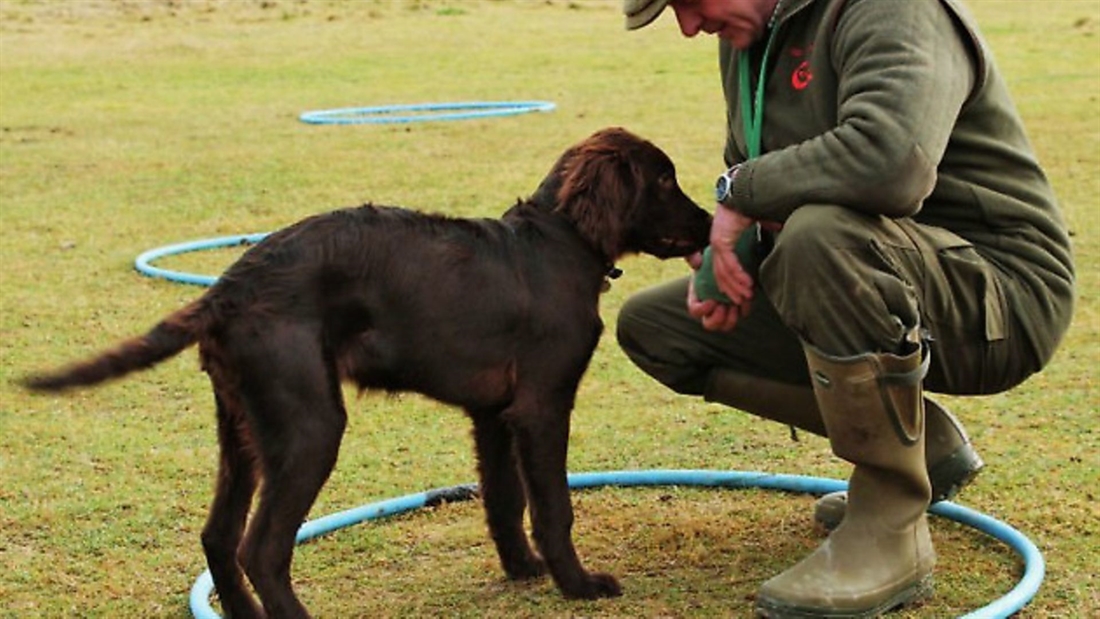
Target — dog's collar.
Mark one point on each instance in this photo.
(613, 272)
(544, 203)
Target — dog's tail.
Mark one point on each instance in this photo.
(172, 335)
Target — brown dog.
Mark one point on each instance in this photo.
(499, 317)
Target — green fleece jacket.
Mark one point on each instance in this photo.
(896, 108)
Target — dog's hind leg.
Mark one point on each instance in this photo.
(503, 496)
(541, 437)
(221, 537)
(294, 397)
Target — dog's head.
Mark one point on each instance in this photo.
(621, 193)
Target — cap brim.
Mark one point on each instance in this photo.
(646, 15)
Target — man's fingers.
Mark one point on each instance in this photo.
(730, 276)
(695, 260)
(696, 307)
(722, 318)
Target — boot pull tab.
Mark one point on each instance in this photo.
(907, 381)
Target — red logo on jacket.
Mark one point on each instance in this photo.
(802, 75)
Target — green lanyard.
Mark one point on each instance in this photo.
(752, 113)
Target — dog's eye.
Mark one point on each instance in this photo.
(667, 181)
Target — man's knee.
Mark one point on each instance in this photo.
(647, 332)
(815, 245)
(813, 232)
(842, 279)
(635, 325)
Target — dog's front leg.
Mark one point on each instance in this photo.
(541, 437)
(503, 496)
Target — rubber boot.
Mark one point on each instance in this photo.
(880, 556)
(952, 460)
(952, 464)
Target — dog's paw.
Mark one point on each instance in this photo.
(595, 585)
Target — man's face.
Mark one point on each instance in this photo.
(741, 22)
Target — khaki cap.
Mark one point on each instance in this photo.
(640, 13)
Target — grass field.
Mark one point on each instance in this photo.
(126, 125)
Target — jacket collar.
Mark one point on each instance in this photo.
(787, 8)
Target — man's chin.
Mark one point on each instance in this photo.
(739, 39)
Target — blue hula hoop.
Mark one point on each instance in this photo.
(1013, 601)
(415, 112)
(143, 263)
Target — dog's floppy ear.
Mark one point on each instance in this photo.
(599, 188)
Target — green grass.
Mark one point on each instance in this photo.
(126, 126)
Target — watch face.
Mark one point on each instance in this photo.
(722, 188)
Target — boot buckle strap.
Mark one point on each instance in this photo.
(907, 436)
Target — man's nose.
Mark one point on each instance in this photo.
(690, 24)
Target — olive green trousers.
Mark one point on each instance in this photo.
(848, 284)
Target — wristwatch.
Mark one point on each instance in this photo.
(723, 189)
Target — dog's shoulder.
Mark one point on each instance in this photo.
(535, 223)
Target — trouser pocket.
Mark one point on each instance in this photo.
(964, 306)
(963, 293)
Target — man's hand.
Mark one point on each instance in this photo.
(714, 315)
(731, 278)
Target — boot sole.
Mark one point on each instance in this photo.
(954, 472)
(915, 593)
